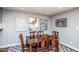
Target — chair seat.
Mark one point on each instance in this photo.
(26, 49)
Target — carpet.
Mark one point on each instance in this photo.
(62, 48)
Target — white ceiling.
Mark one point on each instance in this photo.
(41, 10)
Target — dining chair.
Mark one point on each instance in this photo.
(24, 47)
(33, 36)
(42, 44)
(54, 46)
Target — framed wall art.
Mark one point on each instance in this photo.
(33, 22)
(61, 22)
(43, 24)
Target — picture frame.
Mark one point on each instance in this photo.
(43, 24)
(61, 22)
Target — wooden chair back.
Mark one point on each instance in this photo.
(42, 43)
(32, 34)
(55, 34)
(40, 33)
(54, 43)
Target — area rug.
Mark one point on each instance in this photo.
(62, 48)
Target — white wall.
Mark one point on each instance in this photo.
(0, 15)
(69, 34)
(0, 38)
(0, 31)
(9, 35)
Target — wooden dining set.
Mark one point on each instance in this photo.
(40, 42)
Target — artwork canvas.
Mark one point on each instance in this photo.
(43, 24)
(33, 22)
(61, 22)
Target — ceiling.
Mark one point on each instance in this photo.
(40, 10)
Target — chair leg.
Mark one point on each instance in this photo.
(56, 49)
(22, 50)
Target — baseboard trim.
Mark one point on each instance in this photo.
(69, 46)
(6, 46)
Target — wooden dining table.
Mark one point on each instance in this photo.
(33, 42)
